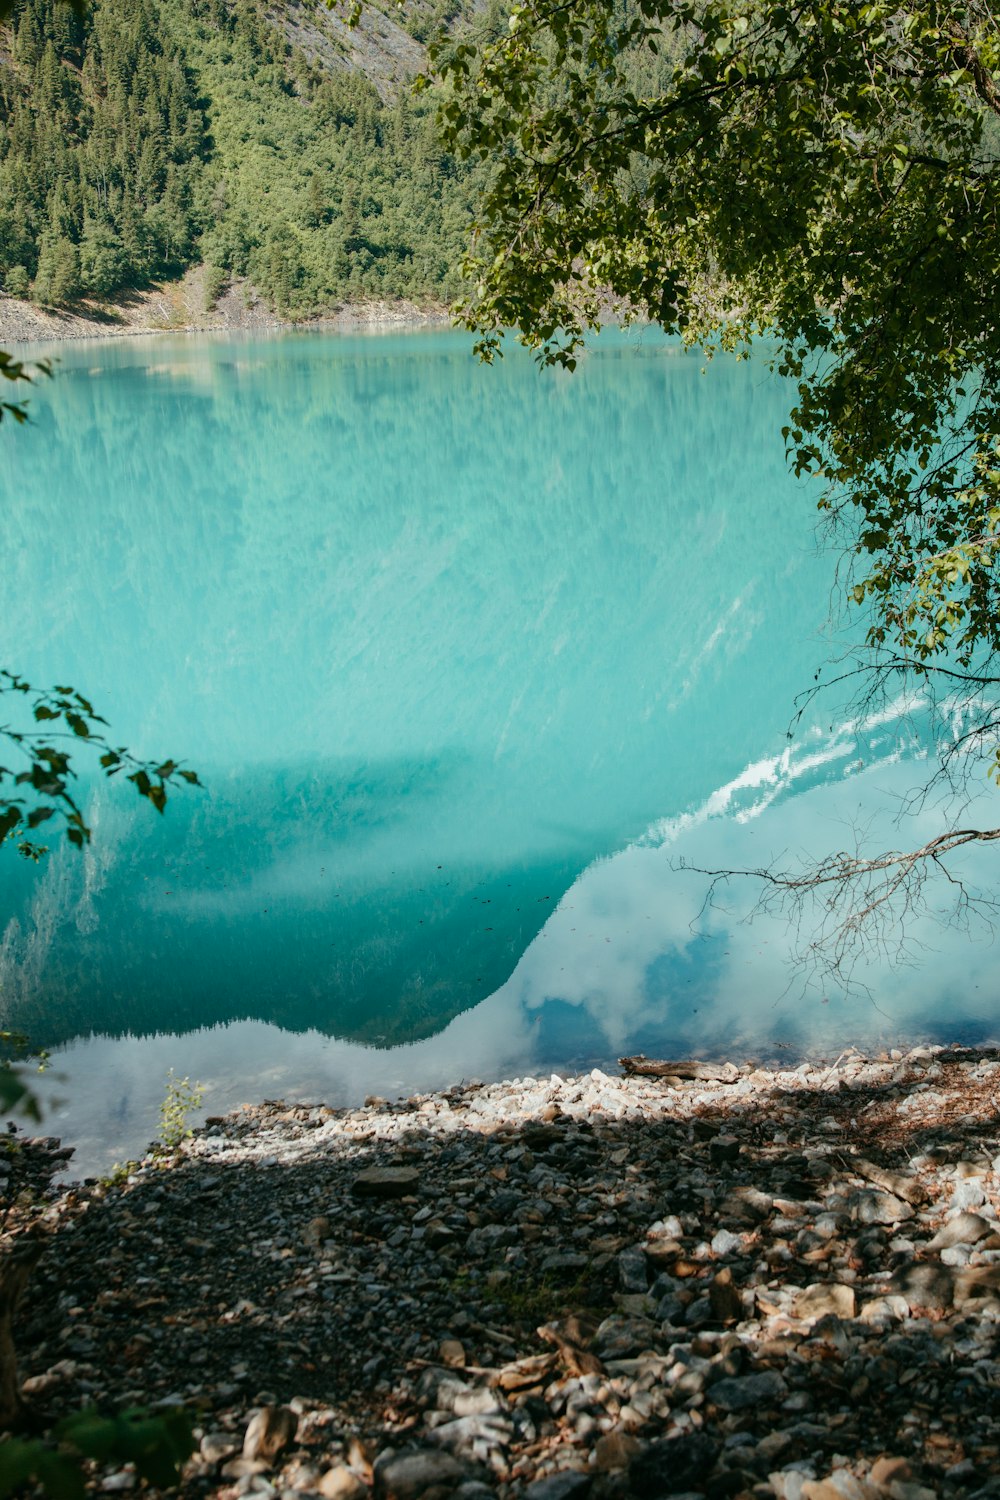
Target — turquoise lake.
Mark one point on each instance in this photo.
(469, 660)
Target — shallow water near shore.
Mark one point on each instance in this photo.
(469, 661)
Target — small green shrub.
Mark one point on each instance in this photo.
(181, 1097)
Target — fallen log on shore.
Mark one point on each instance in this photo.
(704, 1072)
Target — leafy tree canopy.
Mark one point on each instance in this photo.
(822, 174)
(14, 370)
(39, 784)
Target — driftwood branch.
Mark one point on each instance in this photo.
(646, 1067)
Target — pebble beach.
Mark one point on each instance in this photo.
(724, 1281)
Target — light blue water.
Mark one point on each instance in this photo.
(466, 659)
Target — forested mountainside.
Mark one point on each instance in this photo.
(277, 145)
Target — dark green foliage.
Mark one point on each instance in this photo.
(320, 189)
(39, 785)
(157, 1443)
(16, 370)
(827, 175)
(138, 139)
(101, 139)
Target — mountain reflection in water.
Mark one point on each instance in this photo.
(631, 960)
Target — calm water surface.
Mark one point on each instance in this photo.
(467, 659)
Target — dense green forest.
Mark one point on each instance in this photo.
(152, 134)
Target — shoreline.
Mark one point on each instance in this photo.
(179, 308)
(80, 1116)
(751, 1284)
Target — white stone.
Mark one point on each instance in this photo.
(787, 1486)
(839, 1482)
(725, 1242)
(884, 1309)
(968, 1194)
(671, 1226)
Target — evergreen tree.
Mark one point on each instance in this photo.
(58, 276)
(103, 262)
(308, 182)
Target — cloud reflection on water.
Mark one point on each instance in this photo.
(631, 959)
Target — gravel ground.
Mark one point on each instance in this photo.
(750, 1283)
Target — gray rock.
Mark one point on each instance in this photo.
(566, 1260)
(116, 1484)
(438, 1234)
(618, 1337)
(490, 1238)
(723, 1149)
(481, 1402)
(872, 1206)
(406, 1475)
(670, 1310)
(632, 1271)
(724, 1242)
(440, 1388)
(636, 1304)
(924, 1285)
(968, 1194)
(570, 1484)
(461, 1435)
(743, 1391)
(698, 1312)
(386, 1182)
(748, 1201)
(216, 1446)
(673, 1465)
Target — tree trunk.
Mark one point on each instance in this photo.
(17, 1261)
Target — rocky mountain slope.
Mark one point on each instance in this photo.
(273, 145)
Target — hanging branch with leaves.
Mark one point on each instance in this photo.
(39, 786)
